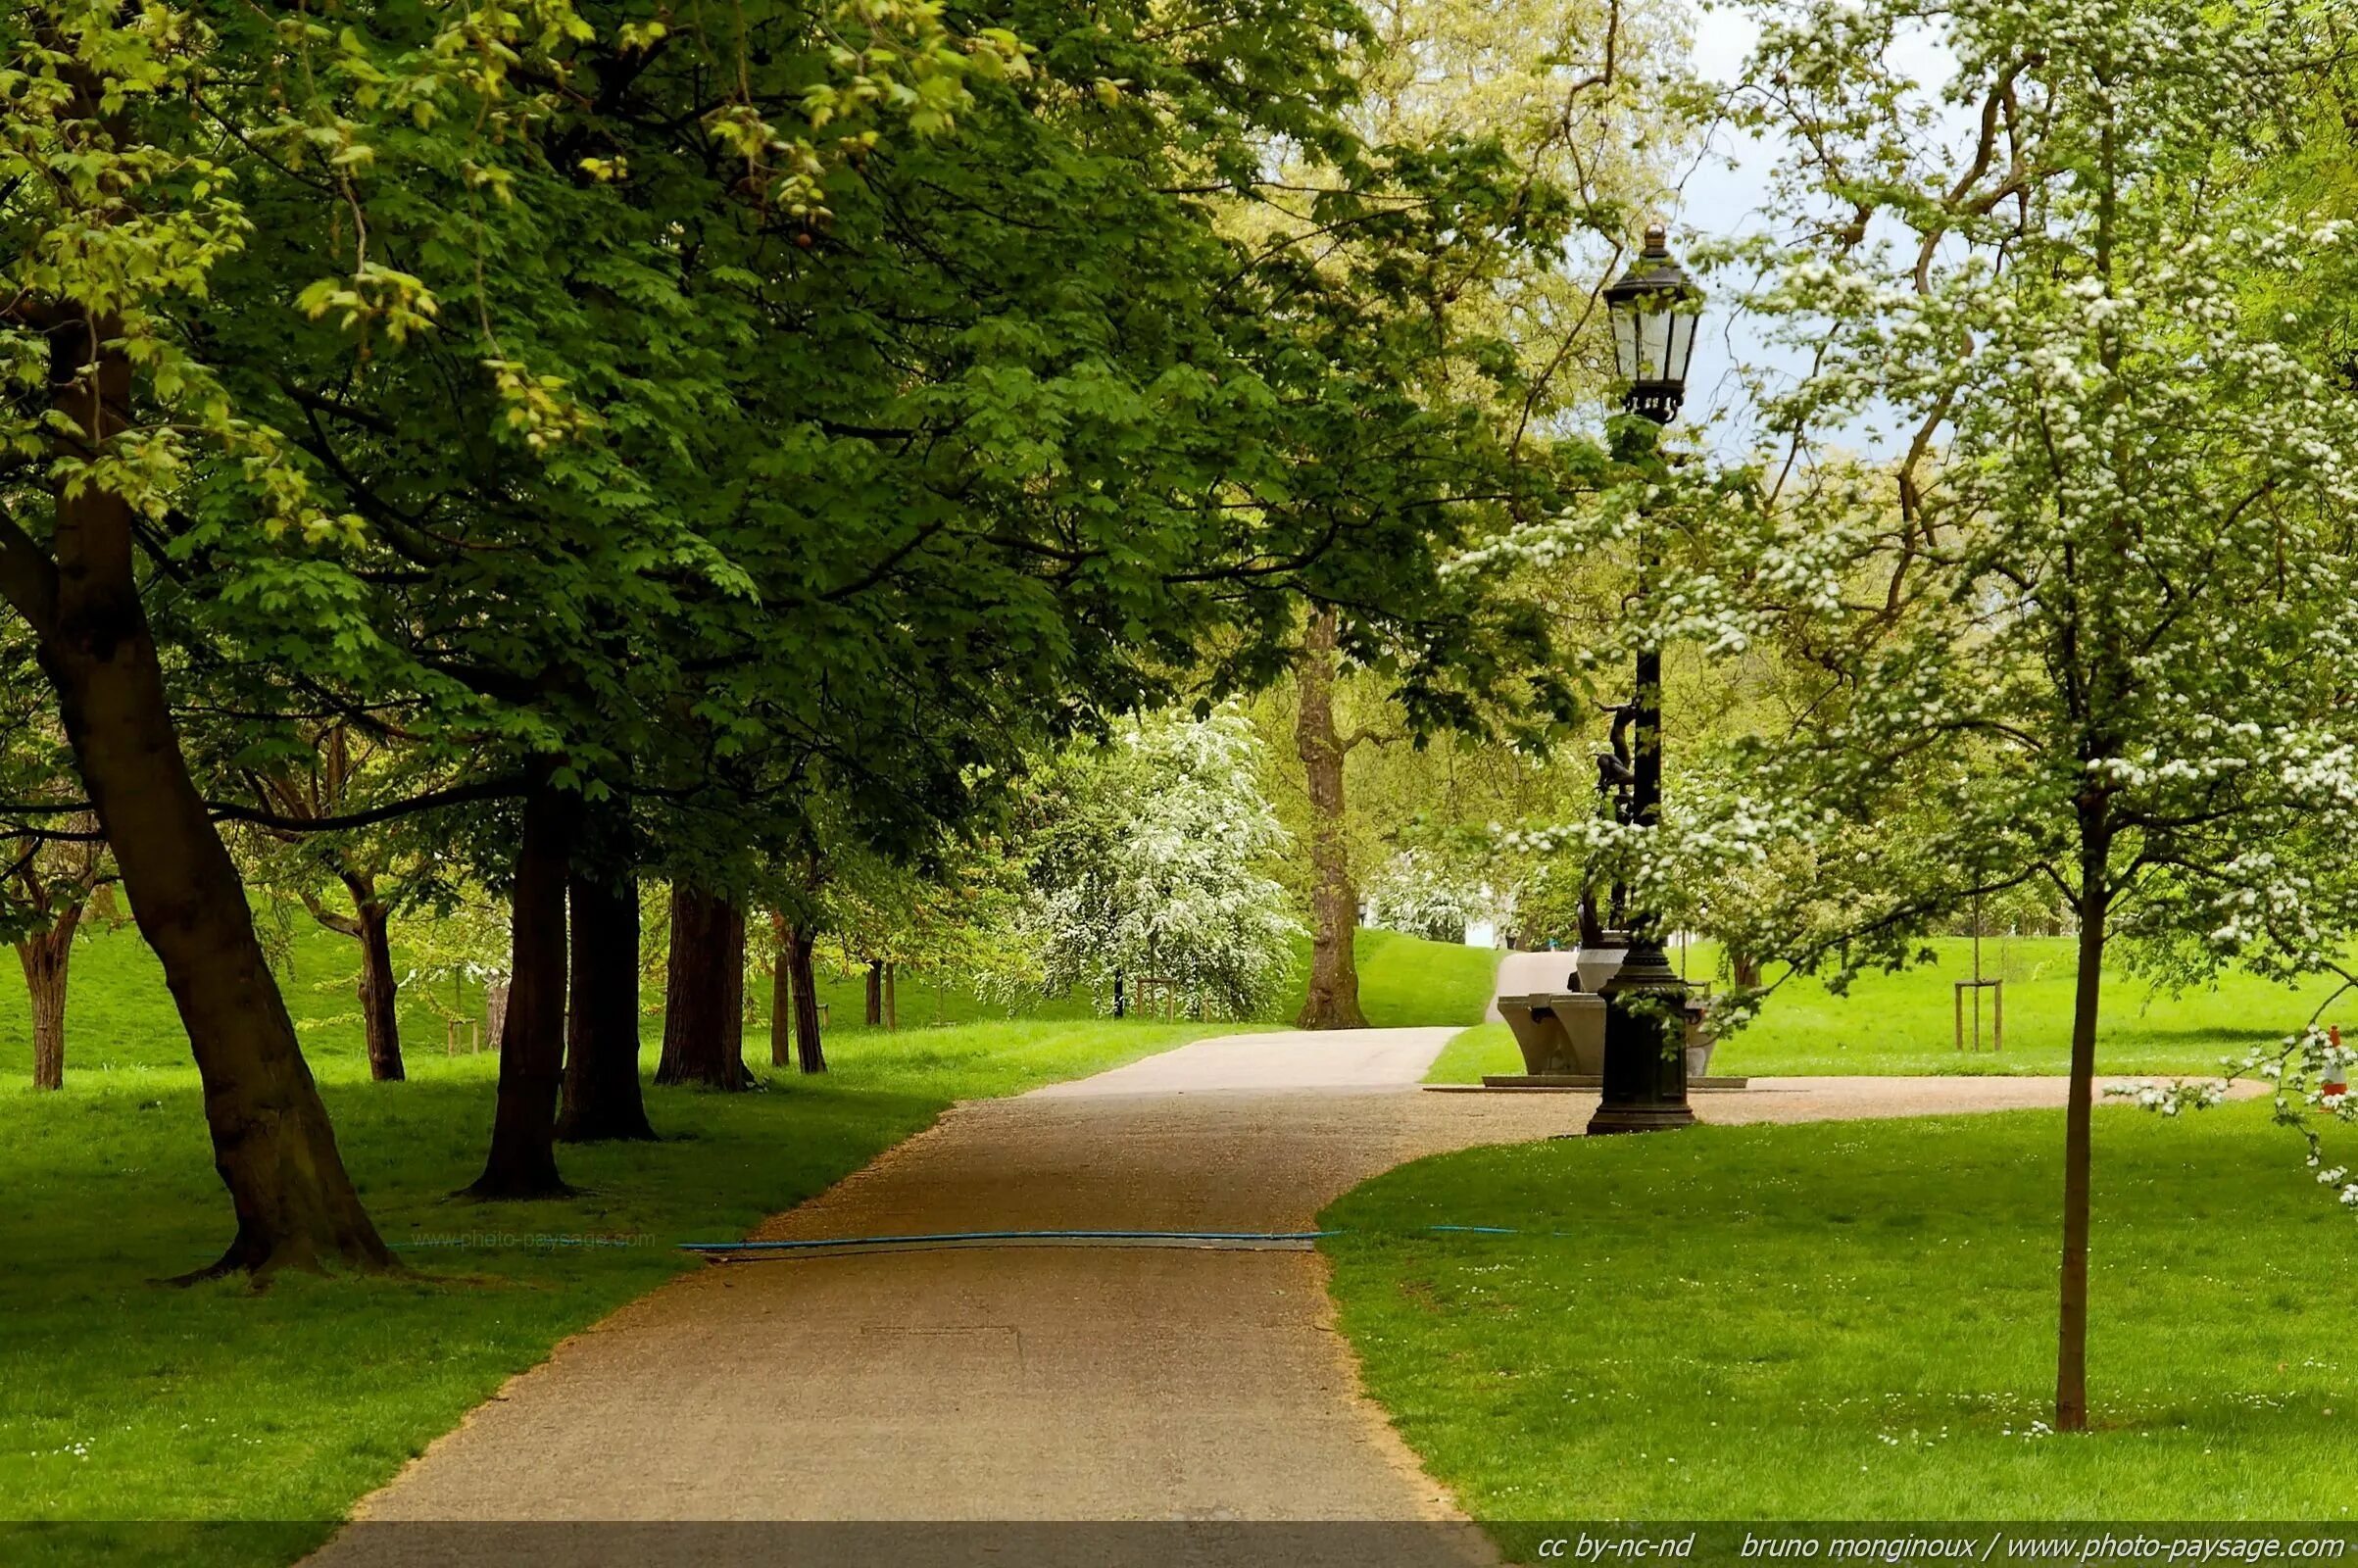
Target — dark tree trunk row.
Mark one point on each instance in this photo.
(810, 1051)
(704, 1009)
(522, 1162)
(781, 994)
(603, 1100)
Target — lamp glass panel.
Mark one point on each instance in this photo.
(1653, 343)
(1682, 345)
(1625, 341)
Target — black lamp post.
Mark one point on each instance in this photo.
(1655, 310)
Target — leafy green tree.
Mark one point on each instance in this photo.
(120, 211)
(2091, 627)
(1571, 97)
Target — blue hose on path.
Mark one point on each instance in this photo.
(1270, 1241)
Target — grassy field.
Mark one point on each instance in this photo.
(1905, 1022)
(1857, 1321)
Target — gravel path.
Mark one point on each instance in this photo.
(1048, 1381)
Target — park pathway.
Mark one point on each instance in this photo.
(1035, 1383)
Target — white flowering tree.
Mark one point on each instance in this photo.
(2089, 623)
(2094, 624)
(1426, 892)
(1148, 858)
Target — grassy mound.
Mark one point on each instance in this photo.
(1406, 981)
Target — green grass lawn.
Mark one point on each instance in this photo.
(1857, 1321)
(119, 1015)
(1905, 1022)
(124, 1399)
(1405, 980)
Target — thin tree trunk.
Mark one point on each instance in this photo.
(1333, 1001)
(704, 1000)
(272, 1142)
(381, 1012)
(45, 959)
(2071, 1337)
(875, 997)
(781, 994)
(810, 1051)
(522, 1162)
(603, 1100)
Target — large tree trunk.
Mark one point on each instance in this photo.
(1744, 969)
(810, 1051)
(381, 1012)
(271, 1140)
(876, 994)
(522, 1162)
(704, 1003)
(45, 959)
(1333, 1002)
(603, 1100)
(2071, 1336)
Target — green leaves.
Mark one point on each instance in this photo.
(400, 304)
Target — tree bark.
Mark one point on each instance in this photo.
(2071, 1333)
(875, 996)
(703, 1001)
(371, 925)
(45, 959)
(380, 1011)
(810, 1051)
(271, 1140)
(603, 1101)
(495, 1009)
(522, 1162)
(1744, 969)
(781, 994)
(1333, 1001)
